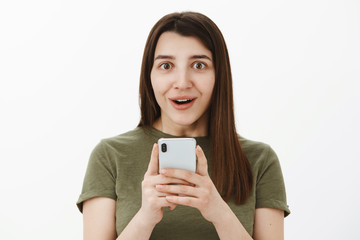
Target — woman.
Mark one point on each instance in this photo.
(237, 191)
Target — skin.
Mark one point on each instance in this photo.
(182, 67)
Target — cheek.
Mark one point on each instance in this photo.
(211, 87)
(207, 86)
(159, 88)
(160, 83)
(154, 83)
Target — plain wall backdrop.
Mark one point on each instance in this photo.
(69, 73)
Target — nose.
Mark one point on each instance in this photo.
(183, 79)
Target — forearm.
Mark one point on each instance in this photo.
(229, 227)
(136, 229)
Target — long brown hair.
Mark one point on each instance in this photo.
(231, 172)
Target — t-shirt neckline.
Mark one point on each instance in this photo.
(159, 134)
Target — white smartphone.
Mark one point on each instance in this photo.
(178, 153)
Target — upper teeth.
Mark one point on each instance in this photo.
(182, 100)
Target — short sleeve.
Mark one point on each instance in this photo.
(270, 187)
(100, 176)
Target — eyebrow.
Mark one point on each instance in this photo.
(172, 57)
(164, 57)
(201, 57)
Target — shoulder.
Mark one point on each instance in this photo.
(255, 148)
(121, 143)
(268, 179)
(136, 136)
(259, 154)
(131, 144)
(126, 137)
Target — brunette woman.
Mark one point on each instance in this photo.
(237, 191)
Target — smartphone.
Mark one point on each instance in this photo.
(178, 153)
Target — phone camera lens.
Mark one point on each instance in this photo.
(163, 147)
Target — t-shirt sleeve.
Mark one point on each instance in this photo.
(270, 187)
(100, 176)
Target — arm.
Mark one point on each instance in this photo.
(99, 219)
(204, 196)
(228, 226)
(99, 222)
(269, 224)
(99, 213)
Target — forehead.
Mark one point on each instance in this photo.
(171, 43)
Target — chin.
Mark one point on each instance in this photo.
(185, 122)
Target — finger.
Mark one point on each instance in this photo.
(172, 207)
(163, 202)
(149, 182)
(163, 194)
(186, 201)
(202, 167)
(153, 166)
(174, 190)
(162, 179)
(185, 175)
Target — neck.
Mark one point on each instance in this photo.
(197, 129)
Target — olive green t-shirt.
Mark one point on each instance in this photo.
(117, 166)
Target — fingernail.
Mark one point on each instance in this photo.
(159, 186)
(163, 171)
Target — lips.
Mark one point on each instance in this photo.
(182, 103)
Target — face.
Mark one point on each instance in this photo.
(183, 79)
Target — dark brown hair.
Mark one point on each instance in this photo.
(231, 172)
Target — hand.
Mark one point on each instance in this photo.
(153, 201)
(201, 193)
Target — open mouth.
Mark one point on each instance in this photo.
(182, 101)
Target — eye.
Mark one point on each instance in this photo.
(199, 65)
(166, 66)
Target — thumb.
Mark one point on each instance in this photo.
(153, 167)
(202, 167)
